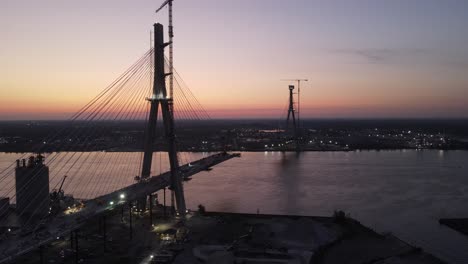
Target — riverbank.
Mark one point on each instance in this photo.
(219, 237)
(244, 150)
(458, 224)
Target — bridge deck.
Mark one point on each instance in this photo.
(15, 246)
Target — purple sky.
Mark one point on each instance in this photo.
(372, 58)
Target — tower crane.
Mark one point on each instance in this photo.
(171, 62)
(171, 48)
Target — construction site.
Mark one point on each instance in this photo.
(43, 223)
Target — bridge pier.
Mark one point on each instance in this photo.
(99, 225)
(41, 254)
(130, 219)
(173, 209)
(164, 201)
(104, 233)
(75, 237)
(71, 240)
(151, 210)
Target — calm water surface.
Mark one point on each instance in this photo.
(403, 192)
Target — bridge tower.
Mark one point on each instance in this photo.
(292, 114)
(161, 98)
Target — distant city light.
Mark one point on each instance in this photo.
(111, 202)
(122, 196)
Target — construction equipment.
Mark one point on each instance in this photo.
(171, 48)
(61, 185)
(171, 63)
(59, 201)
(57, 195)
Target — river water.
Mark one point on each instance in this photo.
(403, 192)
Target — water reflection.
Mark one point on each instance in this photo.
(288, 177)
(404, 192)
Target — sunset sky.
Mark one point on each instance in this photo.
(363, 58)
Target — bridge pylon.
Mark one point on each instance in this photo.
(161, 98)
(292, 118)
(291, 111)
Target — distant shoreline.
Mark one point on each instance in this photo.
(253, 151)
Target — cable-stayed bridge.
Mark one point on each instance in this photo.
(138, 94)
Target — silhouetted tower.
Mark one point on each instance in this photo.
(161, 98)
(291, 112)
(298, 111)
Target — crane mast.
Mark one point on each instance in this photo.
(171, 66)
(171, 47)
(171, 52)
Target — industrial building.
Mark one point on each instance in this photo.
(32, 188)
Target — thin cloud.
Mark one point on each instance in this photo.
(456, 63)
(385, 56)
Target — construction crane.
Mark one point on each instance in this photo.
(298, 95)
(57, 193)
(171, 48)
(56, 197)
(171, 62)
(61, 185)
